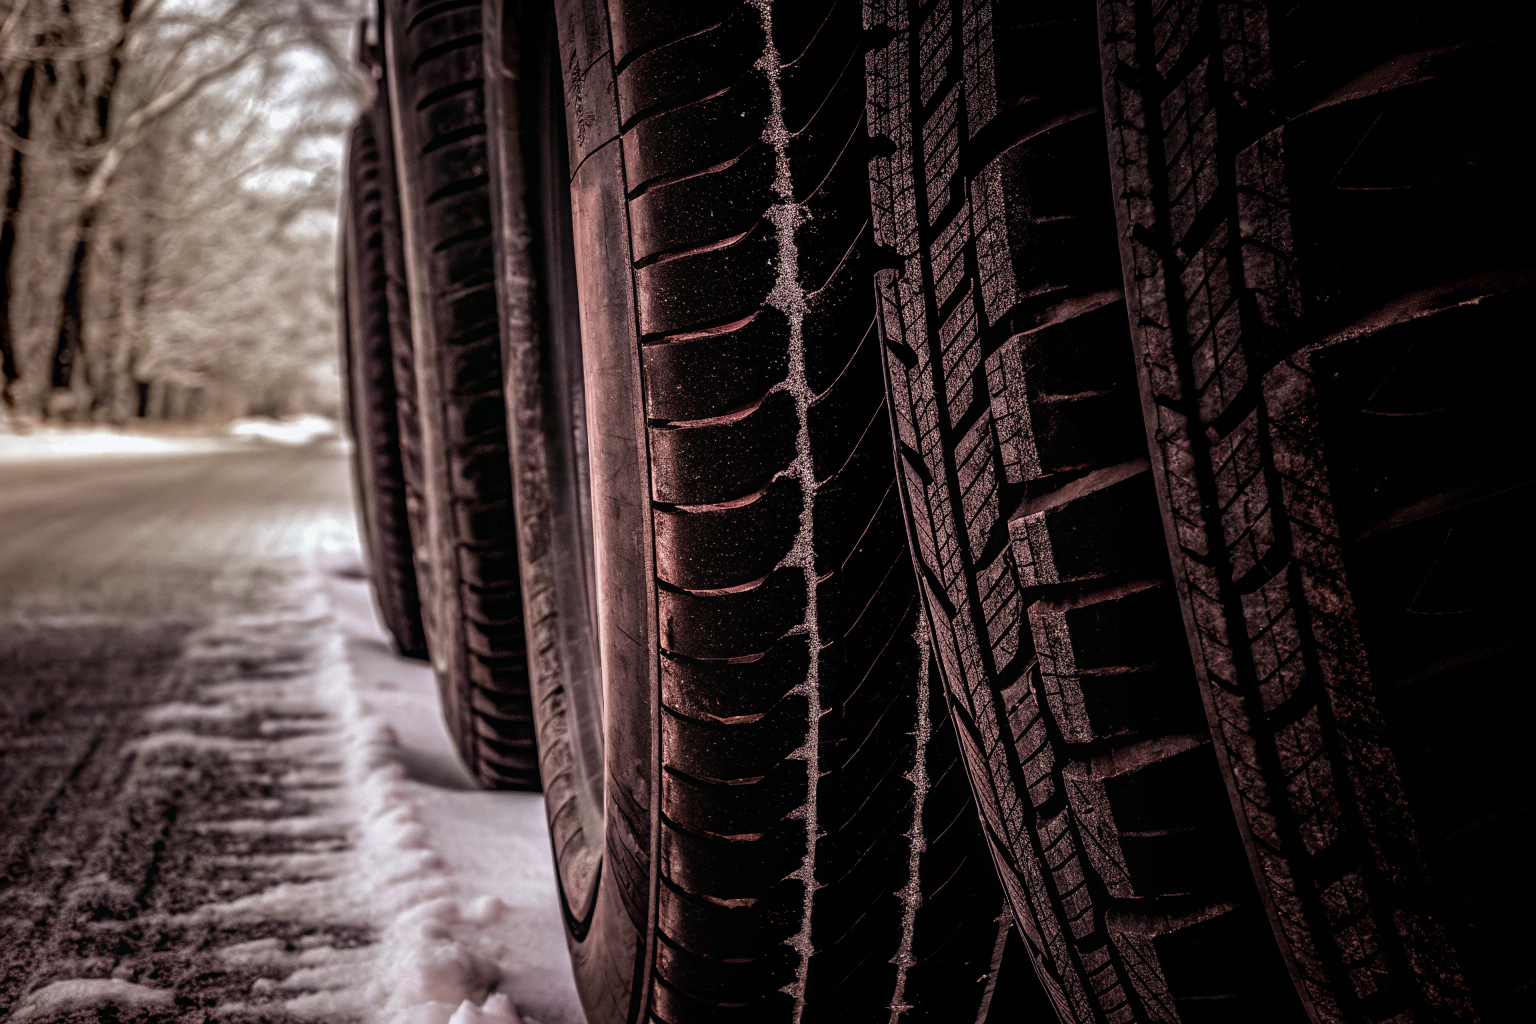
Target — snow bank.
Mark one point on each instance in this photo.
(478, 936)
(48, 442)
(455, 884)
(296, 430)
(61, 443)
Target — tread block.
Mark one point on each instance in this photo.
(732, 625)
(734, 751)
(699, 135)
(713, 547)
(645, 24)
(714, 979)
(725, 690)
(748, 809)
(696, 64)
(709, 372)
(705, 208)
(1078, 535)
(710, 286)
(714, 462)
(730, 869)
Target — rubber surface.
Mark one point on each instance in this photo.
(1035, 528)
(1324, 218)
(473, 606)
(373, 415)
(795, 841)
(397, 296)
(545, 398)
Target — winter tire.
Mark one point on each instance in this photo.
(471, 598)
(1325, 228)
(372, 414)
(1035, 527)
(397, 296)
(767, 821)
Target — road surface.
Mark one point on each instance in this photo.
(200, 818)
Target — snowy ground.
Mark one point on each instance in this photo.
(483, 911)
(225, 799)
(35, 442)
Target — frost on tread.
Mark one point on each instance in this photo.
(796, 853)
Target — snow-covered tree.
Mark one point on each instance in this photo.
(170, 207)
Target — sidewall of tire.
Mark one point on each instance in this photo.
(610, 959)
(606, 919)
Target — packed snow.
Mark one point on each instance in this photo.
(421, 898)
(455, 884)
(61, 997)
(482, 939)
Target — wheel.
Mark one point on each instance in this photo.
(1324, 226)
(472, 601)
(397, 298)
(1036, 530)
(372, 413)
(754, 798)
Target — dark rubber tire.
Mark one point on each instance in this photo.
(782, 829)
(472, 601)
(397, 296)
(1035, 527)
(372, 410)
(1325, 224)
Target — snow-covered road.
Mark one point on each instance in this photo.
(221, 797)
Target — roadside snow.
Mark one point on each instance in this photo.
(36, 442)
(455, 885)
(52, 1001)
(294, 430)
(60, 443)
(484, 938)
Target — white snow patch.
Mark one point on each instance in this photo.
(478, 916)
(456, 885)
(917, 839)
(498, 1009)
(75, 994)
(295, 430)
(788, 296)
(49, 443)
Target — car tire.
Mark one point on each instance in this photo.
(471, 597)
(1324, 228)
(1036, 529)
(372, 408)
(738, 835)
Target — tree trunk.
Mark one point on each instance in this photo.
(22, 129)
(72, 327)
(70, 346)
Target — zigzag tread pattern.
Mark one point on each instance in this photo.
(372, 396)
(1035, 528)
(1300, 285)
(473, 603)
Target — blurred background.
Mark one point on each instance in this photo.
(170, 174)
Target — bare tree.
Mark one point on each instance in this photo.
(199, 141)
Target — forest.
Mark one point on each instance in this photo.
(170, 176)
